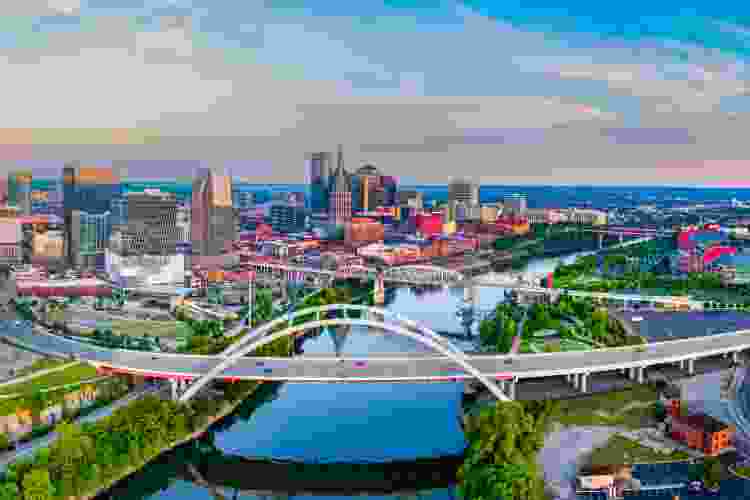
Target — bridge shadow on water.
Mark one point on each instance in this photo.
(230, 476)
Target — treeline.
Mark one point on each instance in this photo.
(501, 461)
(89, 456)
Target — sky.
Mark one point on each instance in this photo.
(629, 93)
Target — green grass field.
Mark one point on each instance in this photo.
(620, 450)
(70, 375)
(138, 327)
(40, 365)
(610, 408)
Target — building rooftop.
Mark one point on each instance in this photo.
(704, 422)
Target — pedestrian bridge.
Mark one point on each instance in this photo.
(447, 364)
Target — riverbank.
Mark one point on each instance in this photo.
(226, 410)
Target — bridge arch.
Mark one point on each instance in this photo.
(254, 340)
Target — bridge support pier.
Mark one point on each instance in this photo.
(177, 387)
(601, 240)
(510, 388)
(583, 380)
(735, 357)
(689, 365)
(622, 238)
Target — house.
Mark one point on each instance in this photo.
(700, 431)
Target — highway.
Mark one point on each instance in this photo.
(386, 368)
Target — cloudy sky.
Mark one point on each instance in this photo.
(628, 93)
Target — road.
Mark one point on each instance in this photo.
(28, 449)
(393, 368)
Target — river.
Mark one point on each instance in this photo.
(334, 423)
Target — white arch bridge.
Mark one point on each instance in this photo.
(447, 364)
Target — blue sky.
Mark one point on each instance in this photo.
(593, 92)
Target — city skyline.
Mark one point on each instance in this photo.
(639, 95)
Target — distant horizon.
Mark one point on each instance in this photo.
(599, 186)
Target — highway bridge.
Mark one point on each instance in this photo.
(499, 373)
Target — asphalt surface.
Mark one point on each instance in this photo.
(383, 368)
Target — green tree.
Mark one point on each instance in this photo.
(9, 491)
(37, 485)
(4, 441)
(712, 472)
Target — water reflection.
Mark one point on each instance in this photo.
(203, 469)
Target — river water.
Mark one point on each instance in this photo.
(335, 423)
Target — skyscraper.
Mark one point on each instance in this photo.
(320, 170)
(340, 205)
(151, 226)
(89, 190)
(463, 190)
(515, 204)
(19, 191)
(212, 216)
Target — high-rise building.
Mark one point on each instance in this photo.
(410, 198)
(340, 204)
(287, 217)
(19, 190)
(11, 240)
(151, 226)
(370, 181)
(463, 190)
(88, 190)
(89, 238)
(212, 217)
(242, 199)
(320, 173)
(182, 217)
(119, 211)
(515, 204)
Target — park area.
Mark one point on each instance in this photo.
(621, 450)
(632, 408)
(72, 374)
(138, 327)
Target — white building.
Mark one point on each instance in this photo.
(145, 270)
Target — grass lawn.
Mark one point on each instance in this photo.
(607, 408)
(40, 365)
(620, 450)
(70, 375)
(742, 471)
(137, 327)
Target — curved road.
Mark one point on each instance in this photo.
(382, 369)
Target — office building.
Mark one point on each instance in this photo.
(212, 219)
(410, 198)
(242, 199)
(515, 204)
(320, 172)
(19, 191)
(119, 211)
(89, 238)
(340, 200)
(151, 226)
(88, 190)
(182, 221)
(390, 188)
(463, 190)
(287, 217)
(11, 242)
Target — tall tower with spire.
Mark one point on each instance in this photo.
(340, 205)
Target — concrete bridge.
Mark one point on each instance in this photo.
(498, 372)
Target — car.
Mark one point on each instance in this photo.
(267, 370)
(259, 363)
(360, 364)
